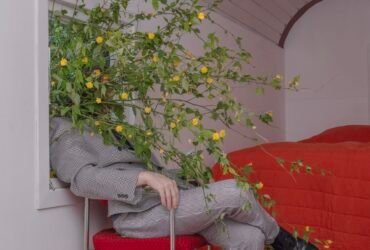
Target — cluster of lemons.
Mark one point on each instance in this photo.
(259, 185)
(326, 243)
(216, 136)
(84, 60)
(124, 96)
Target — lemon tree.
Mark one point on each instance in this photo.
(99, 70)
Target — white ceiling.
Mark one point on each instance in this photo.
(269, 18)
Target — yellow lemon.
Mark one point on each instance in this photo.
(278, 77)
(266, 196)
(222, 133)
(151, 35)
(155, 59)
(85, 60)
(149, 133)
(215, 136)
(97, 72)
(97, 123)
(63, 62)
(52, 83)
(176, 62)
(259, 185)
(176, 78)
(173, 125)
(119, 128)
(124, 96)
(294, 83)
(98, 100)
(99, 39)
(201, 16)
(106, 78)
(209, 80)
(195, 121)
(147, 110)
(204, 70)
(89, 85)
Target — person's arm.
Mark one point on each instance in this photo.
(166, 187)
(75, 162)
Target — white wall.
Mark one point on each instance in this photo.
(267, 60)
(22, 226)
(329, 48)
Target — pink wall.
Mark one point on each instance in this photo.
(267, 60)
(329, 48)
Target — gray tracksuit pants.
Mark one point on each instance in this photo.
(247, 230)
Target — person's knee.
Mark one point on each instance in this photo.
(254, 240)
(258, 239)
(228, 192)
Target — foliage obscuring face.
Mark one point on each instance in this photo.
(99, 70)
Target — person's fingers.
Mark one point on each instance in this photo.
(167, 189)
(163, 196)
(168, 195)
(175, 195)
(172, 193)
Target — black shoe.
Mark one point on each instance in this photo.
(285, 241)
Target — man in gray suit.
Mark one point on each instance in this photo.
(98, 171)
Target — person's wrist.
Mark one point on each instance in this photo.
(142, 178)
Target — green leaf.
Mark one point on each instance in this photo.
(233, 172)
(124, 3)
(260, 91)
(280, 162)
(64, 110)
(75, 97)
(155, 4)
(247, 169)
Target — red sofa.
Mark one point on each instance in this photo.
(336, 206)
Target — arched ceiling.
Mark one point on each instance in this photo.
(272, 19)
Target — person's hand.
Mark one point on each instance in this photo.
(166, 187)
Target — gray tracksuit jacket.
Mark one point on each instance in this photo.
(99, 171)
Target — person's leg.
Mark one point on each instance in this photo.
(237, 236)
(192, 217)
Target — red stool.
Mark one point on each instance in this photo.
(109, 240)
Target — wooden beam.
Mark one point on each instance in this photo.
(294, 19)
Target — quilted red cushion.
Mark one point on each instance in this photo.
(358, 133)
(337, 206)
(109, 240)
